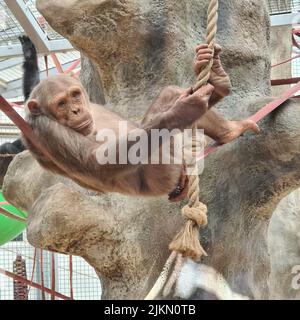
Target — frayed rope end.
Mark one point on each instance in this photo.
(187, 240)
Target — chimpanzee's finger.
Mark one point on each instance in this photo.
(218, 49)
(201, 46)
(206, 90)
(206, 56)
(204, 51)
(199, 64)
(202, 95)
(186, 93)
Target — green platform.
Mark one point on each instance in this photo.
(9, 228)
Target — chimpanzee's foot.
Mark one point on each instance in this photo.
(234, 129)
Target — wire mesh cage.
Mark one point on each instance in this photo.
(51, 34)
(10, 28)
(81, 280)
(18, 256)
(283, 6)
(8, 131)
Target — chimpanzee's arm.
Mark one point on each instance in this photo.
(30, 80)
(30, 65)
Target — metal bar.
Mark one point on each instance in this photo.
(71, 277)
(53, 276)
(259, 115)
(73, 66)
(9, 63)
(31, 27)
(28, 23)
(12, 216)
(33, 270)
(8, 134)
(285, 61)
(23, 126)
(9, 51)
(2, 124)
(270, 107)
(3, 85)
(57, 63)
(15, 50)
(59, 45)
(32, 284)
(14, 88)
(42, 275)
(285, 19)
(280, 82)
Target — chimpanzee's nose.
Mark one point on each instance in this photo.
(76, 111)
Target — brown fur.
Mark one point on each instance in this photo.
(74, 153)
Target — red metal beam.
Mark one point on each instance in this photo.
(280, 82)
(285, 61)
(71, 277)
(56, 63)
(270, 107)
(262, 113)
(22, 125)
(72, 66)
(12, 216)
(32, 284)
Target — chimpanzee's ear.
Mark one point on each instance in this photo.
(34, 107)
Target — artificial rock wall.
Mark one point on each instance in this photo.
(135, 48)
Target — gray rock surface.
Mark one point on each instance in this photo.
(284, 239)
(280, 51)
(138, 47)
(283, 234)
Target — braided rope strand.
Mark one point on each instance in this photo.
(212, 26)
(186, 243)
(162, 279)
(174, 276)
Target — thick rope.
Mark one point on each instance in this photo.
(162, 279)
(187, 243)
(174, 276)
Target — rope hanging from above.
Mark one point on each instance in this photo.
(187, 243)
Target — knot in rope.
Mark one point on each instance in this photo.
(186, 243)
(198, 214)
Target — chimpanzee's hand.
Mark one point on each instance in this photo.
(190, 107)
(218, 77)
(28, 47)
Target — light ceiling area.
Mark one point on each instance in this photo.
(283, 6)
(17, 18)
(20, 17)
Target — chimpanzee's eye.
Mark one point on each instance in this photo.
(61, 103)
(76, 94)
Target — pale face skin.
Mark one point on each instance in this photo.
(71, 109)
(67, 103)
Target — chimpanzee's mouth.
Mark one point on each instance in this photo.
(85, 125)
